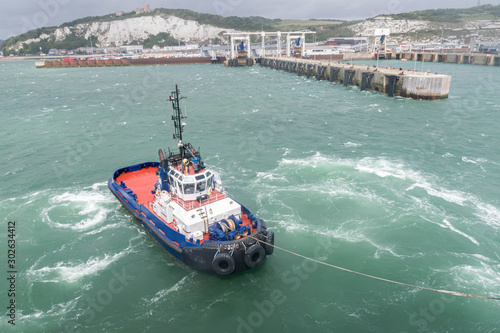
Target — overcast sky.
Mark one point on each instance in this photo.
(19, 16)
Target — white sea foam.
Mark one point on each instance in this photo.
(487, 276)
(13, 172)
(352, 144)
(103, 228)
(385, 168)
(474, 161)
(447, 224)
(271, 176)
(72, 271)
(56, 310)
(456, 197)
(164, 292)
(488, 213)
(277, 190)
(355, 235)
(83, 208)
(316, 160)
(326, 185)
(465, 159)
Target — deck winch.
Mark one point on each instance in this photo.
(228, 229)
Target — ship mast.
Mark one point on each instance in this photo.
(177, 115)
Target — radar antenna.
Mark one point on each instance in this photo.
(185, 150)
(177, 115)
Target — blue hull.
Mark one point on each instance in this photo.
(209, 255)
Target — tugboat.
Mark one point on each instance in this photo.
(183, 206)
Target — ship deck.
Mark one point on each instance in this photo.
(142, 182)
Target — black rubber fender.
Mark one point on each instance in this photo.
(223, 263)
(270, 239)
(254, 256)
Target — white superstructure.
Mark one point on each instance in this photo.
(193, 204)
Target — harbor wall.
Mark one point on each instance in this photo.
(126, 62)
(388, 81)
(451, 58)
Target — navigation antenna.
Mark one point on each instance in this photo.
(177, 115)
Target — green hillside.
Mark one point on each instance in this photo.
(324, 28)
(454, 15)
(252, 23)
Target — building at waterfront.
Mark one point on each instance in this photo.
(132, 48)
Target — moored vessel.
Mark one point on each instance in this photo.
(182, 204)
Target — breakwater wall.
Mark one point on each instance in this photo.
(390, 81)
(126, 62)
(451, 58)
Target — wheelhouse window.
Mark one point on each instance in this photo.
(201, 186)
(189, 188)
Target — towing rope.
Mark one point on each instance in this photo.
(453, 293)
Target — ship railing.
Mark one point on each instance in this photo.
(192, 204)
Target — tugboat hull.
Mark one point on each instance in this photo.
(221, 257)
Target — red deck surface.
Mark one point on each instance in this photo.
(141, 182)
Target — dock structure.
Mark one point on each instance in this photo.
(127, 62)
(451, 58)
(390, 81)
(290, 36)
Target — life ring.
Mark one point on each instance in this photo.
(223, 263)
(270, 241)
(254, 256)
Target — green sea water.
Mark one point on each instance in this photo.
(398, 188)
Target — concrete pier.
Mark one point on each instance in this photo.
(451, 58)
(389, 81)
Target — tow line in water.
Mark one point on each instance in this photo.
(448, 292)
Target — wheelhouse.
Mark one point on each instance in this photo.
(191, 186)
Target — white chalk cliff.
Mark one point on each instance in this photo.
(123, 32)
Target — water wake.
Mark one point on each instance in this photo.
(165, 292)
(79, 209)
(72, 270)
(356, 200)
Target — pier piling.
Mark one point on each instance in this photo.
(389, 81)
